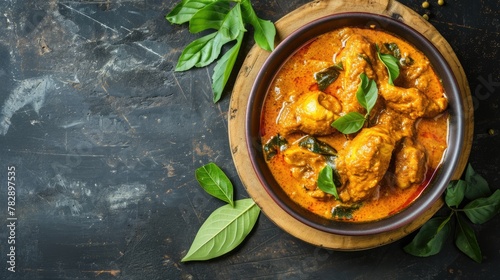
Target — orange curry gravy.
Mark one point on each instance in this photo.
(384, 166)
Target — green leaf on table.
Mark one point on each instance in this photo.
(391, 63)
(215, 182)
(477, 186)
(184, 11)
(349, 123)
(229, 24)
(223, 230)
(211, 16)
(326, 181)
(222, 70)
(430, 238)
(264, 30)
(483, 209)
(466, 240)
(367, 93)
(203, 51)
(455, 193)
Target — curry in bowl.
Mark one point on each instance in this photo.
(355, 124)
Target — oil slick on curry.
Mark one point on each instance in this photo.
(340, 80)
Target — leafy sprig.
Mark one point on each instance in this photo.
(479, 206)
(228, 18)
(366, 95)
(228, 225)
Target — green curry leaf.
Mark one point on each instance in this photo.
(326, 182)
(202, 50)
(213, 180)
(367, 93)
(455, 193)
(349, 123)
(223, 230)
(222, 70)
(476, 185)
(394, 49)
(205, 50)
(483, 209)
(185, 10)
(344, 211)
(316, 146)
(430, 238)
(466, 240)
(211, 16)
(327, 76)
(229, 24)
(391, 63)
(276, 144)
(396, 52)
(264, 30)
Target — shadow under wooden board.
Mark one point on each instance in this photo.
(251, 66)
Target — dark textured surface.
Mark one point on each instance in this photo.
(105, 138)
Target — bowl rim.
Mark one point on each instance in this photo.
(442, 175)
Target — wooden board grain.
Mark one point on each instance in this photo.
(253, 62)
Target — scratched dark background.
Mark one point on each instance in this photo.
(105, 138)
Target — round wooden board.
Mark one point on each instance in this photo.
(240, 95)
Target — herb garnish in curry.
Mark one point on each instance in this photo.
(355, 124)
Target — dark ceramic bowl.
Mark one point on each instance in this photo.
(273, 64)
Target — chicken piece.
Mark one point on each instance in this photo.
(312, 113)
(410, 164)
(399, 125)
(357, 57)
(363, 163)
(305, 165)
(411, 102)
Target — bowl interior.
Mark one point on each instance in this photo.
(266, 76)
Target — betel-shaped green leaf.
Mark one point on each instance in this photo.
(223, 68)
(184, 11)
(466, 240)
(455, 193)
(349, 123)
(203, 51)
(391, 63)
(215, 182)
(325, 181)
(223, 230)
(210, 17)
(264, 30)
(482, 209)
(477, 186)
(430, 238)
(367, 93)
